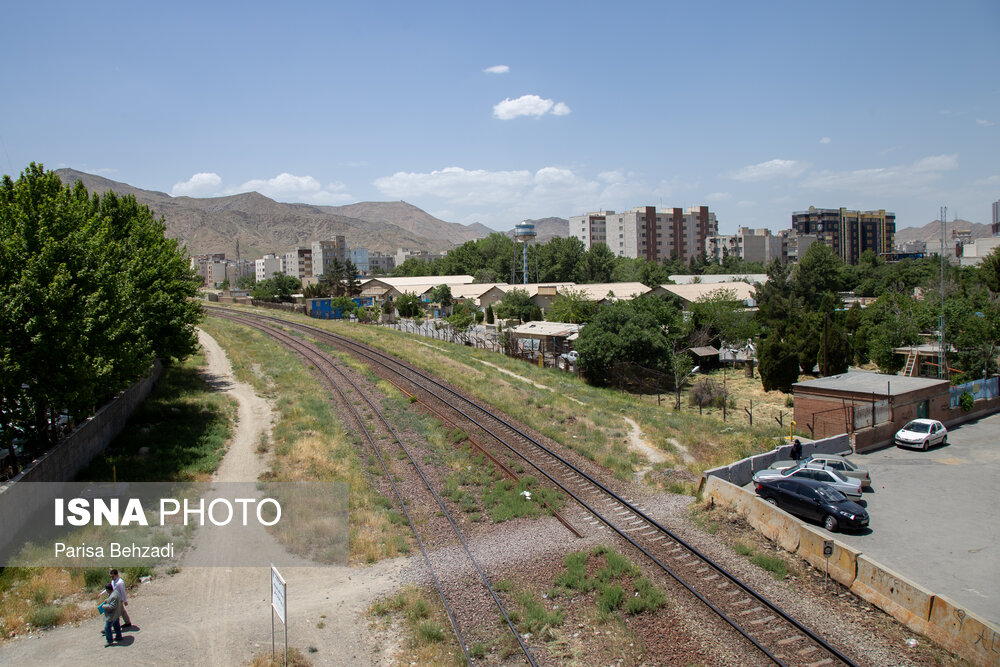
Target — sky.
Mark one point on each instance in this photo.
(498, 112)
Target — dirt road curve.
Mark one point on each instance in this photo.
(220, 616)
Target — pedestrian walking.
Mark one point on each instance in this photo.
(119, 585)
(111, 610)
(797, 449)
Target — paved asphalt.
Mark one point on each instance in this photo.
(935, 515)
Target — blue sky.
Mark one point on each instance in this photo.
(496, 112)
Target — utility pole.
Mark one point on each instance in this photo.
(942, 357)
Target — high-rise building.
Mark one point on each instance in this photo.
(848, 232)
(324, 252)
(267, 266)
(647, 233)
(359, 258)
(996, 218)
(298, 263)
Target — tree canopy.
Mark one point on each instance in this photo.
(91, 291)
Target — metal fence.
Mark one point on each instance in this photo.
(980, 389)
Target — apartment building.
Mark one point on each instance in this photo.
(359, 258)
(848, 232)
(298, 263)
(324, 252)
(267, 266)
(751, 245)
(647, 233)
(379, 262)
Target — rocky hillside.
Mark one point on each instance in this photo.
(262, 225)
(931, 232)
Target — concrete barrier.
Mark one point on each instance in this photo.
(843, 563)
(963, 632)
(725, 494)
(775, 524)
(906, 601)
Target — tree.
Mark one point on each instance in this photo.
(638, 331)
(571, 306)
(563, 259)
(681, 367)
(819, 272)
(90, 281)
(349, 277)
(892, 321)
(779, 365)
(408, 305)
(279, 287)
(245, 282)
(516, 304)
(723, 318)
(989, 271)
(600, 263)
(442, 295)
(490, 317)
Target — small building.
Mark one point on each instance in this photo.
(870, 406)
(545, 339)
(694, 292)
(705, 357)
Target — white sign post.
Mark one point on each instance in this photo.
(278, 605)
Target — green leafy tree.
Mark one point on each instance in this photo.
(245, 282)
(490, 317)
(279, 287)
(89, 281)
(563, 259)
(349, 278)
(893, 320)
(639, 331)
(600, 263)
(571, 306)
(819, 272)
(989, 271)
(442, 295)
(408, 304)
(516, 304)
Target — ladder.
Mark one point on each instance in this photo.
(911, 363)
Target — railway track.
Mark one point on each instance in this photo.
(342, 384)
(771, 631)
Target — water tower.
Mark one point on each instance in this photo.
(524, 232)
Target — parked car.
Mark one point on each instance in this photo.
(810, 499)
(849, 487)
(845, 467)
(922, 433)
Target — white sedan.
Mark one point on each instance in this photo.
(922, 433)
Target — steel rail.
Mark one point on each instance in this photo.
(291, 341)
(385, 360)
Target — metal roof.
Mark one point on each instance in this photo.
(546, 329)
(866, 382)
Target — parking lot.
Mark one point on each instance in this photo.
(935, 515)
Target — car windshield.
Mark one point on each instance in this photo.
(918, 427)
(830, 494)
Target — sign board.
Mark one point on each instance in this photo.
(827, 548)
(278, 594)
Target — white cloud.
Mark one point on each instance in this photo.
(771, 169)
(885, 180)
(528, 105)
(497, 69)
(204, 184)
(746, 203)
(304, 189)
(991, 181)
(984, 122)
(825, 140)
(510, 196)
(718, 196)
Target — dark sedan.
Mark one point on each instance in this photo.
(810, 499)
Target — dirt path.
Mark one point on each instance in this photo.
(220, 616)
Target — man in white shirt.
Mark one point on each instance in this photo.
(119, 586)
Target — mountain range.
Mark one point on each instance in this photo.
(931, 232)
(259, 225)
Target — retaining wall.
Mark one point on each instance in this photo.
(934, 616)
(742, 471)
(66, 459)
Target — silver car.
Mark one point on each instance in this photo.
(845, 467)
(922, 433)
(848, 486)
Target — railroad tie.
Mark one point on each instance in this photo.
(807, 650)
(790, 640)
(766, 619)
(824, 661)
(751, 610)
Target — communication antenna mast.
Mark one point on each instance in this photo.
(942, 360)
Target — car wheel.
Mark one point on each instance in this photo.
(771, 500)
(830, 523)
(927, 444)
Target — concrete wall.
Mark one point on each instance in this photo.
(742, 471)
(934, 616)
(66, 459)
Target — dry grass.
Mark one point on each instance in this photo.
(309, 441)
(430, 639)
(32, 598)
(295, 659)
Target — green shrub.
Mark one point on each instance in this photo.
(966, 401)
(94, 577)
(42, 616)
(611, 598)
(430, 632)
(772, 564)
